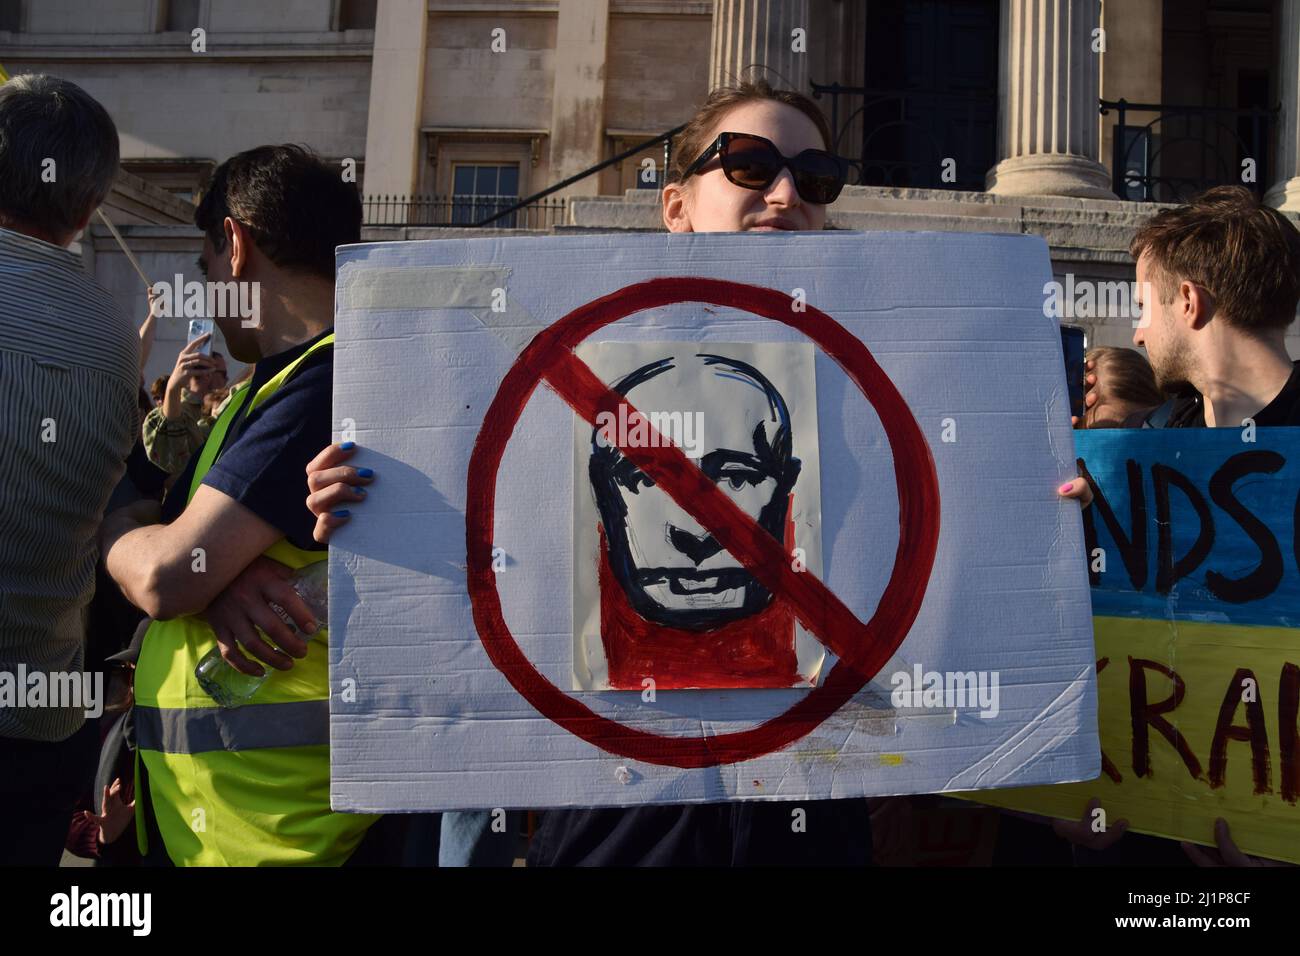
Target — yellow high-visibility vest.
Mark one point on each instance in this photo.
(244, 786)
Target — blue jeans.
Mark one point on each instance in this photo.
(469, 839)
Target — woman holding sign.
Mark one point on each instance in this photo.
(752, 159)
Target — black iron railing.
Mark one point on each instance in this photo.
(1185, 149)
(932, 139)
(462, 211)
(666, 138)
(537, 211)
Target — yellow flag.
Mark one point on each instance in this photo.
(4, 77)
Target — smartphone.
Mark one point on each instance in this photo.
(201, 327)
(1074, 343)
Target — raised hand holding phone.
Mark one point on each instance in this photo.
(201, 329)
(193, 371)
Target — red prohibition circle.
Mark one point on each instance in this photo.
(872, 643)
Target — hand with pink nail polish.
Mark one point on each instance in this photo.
(1077, 488)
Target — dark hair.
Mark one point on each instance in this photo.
(690, 142)
(43, 119)
(297, 208)
(1246, 255)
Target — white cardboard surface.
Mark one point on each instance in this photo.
(955, 320)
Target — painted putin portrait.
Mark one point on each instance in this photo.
(671, 605)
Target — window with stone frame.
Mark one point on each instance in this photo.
(480, 190)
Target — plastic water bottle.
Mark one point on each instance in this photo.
(232, 688)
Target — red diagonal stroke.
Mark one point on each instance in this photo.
(763, 555)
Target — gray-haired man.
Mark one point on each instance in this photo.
(69, 374)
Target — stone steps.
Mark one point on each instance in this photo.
(1093, 230)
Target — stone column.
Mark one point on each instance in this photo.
(396, 98)
(578, 98)
(1285, 192)
(1048, 87)
(759, 33)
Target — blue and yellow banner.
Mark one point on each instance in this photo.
(1195, 568)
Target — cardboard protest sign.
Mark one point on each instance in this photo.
(854, 440)
(1193, 556)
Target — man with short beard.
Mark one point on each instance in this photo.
(1222, 276)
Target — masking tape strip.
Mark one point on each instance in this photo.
(420, 287)
(516, 327)
(444, 287)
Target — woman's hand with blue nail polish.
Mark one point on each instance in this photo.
(331, 485)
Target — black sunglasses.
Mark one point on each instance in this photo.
(753, 162)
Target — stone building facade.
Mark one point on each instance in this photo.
(976, 115)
